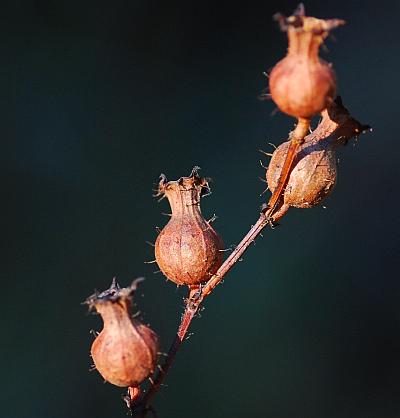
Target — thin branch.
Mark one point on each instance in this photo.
(297, 138)
(336, 126)
(194, 301)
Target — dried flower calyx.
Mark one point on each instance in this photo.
(187, 250)
(302, 84)
(315, 165)
(125, 351)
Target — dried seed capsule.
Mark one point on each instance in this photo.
(313, 176)
(125, 351)
(314, 172)
(302, 84)
(187, 250)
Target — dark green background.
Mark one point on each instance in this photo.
(101, 97)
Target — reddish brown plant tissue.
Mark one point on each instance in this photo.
(301, 173)
(315, 165)
(125, 351)
(302, 84)
(188, 250)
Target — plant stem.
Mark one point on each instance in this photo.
(188, 315)
(337, 126)
(194, 301)
(297, 138)
(197, 296)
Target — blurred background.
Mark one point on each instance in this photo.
(99, 98)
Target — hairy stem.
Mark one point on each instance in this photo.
(189, 313)
(336, 126)
(194, 301)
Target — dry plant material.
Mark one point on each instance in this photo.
(336, 129)
(301, 84)
(187, 250)
(301, 173)
(314, 172)
(125, 351)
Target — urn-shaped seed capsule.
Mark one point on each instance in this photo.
(314, 172)
(125, 351)
(312, 178)
(187, 250)
(302, 84)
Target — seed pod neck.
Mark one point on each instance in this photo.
(306, 34)
(184, 194)
(304, 44)
(114, 312)
(114, 304)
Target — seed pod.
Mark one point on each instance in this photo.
(313, 176)
(187, 250)
(302, 84)
(125, 351)
(315, 165)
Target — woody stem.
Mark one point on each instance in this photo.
(340, 129)
(194, 301)
(195, 298)
(188, 315)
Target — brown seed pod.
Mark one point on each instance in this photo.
(302, 84)
(314, 172)
(125, 351)
(313, 176)
(187, 250)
